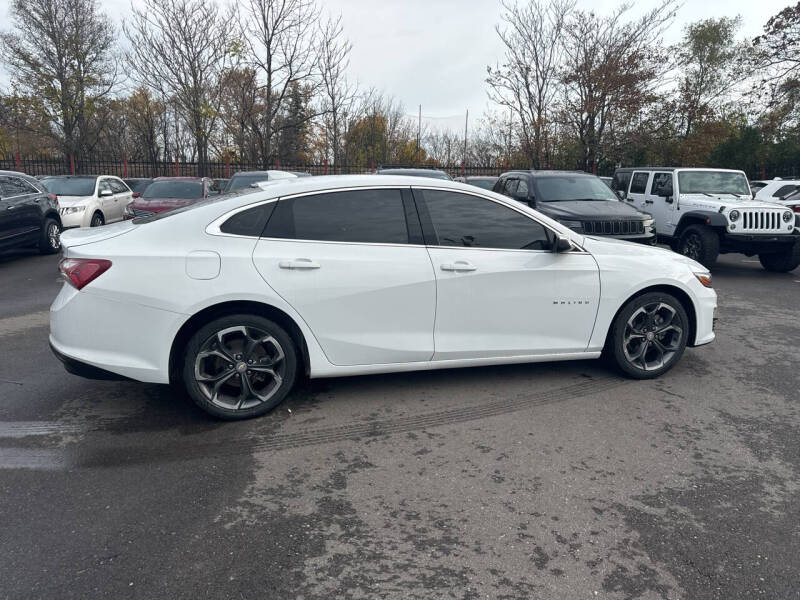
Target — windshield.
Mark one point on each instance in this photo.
(174, 189)
(242, 181)
(487, 183)
(557, 188)
(70, 186)
(138, 185)
(713, 182)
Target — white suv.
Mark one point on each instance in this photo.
(704, 212)
(89, 200)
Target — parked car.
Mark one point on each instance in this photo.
(349, 275)
(251, 179)
(219, 185)
(579, 201)
(28, 214)
(704, 212)
(138, 184)
(776, 189)
(432, 173)
(485, 182)
(167, 193)
(89, 200)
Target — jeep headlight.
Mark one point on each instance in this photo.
(733, 216)
(648, 223)
(574, 225)
(787, 216)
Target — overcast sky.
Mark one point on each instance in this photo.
(435, 52)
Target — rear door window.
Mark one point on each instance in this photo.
(14, 186)
(358, 216)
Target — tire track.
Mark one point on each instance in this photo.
(115, 456)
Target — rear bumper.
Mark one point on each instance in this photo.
(99, 337)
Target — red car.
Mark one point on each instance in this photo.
(166, 193)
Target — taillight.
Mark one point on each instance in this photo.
(52, 197)
(796, 208)
(79, 272)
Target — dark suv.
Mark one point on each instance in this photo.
(28, 214)
(579, 201)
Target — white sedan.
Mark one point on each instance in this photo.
(236, 296)
(89, 200)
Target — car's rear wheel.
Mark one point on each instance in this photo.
(50, 240)
(700, 243)
(239, 366)
(649, 335)
(782, 262)
(97, 219)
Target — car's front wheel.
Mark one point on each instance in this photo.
(97, 219)
(782, 262)
(700, 243)
(649, 335)
(239, 366)
(50, 239)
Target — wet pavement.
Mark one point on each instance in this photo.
(529, 481)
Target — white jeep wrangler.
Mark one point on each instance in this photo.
(704, 212)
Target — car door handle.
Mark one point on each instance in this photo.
(11, 207)
(459, 265)
(648, 201)
(298, 263)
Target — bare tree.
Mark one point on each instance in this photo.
(180, 49)
(527, 80)
(279, 38)
(62, 52)
(338, 94)
(610, 71)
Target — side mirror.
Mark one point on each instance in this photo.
(105, 193)
(621, 194)
(668, 199)
(562, 244)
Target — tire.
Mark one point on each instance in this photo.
(49, 239)
(699, 243)
(648, 335)
(782, 262)
(97, 219)
(216, 363)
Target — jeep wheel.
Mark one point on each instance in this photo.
(700, 243)
(782, 262)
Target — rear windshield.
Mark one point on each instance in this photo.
(238, 182)
(70, 186)
(713, 182)
(174, 189)
(558, 188)
(193, 206)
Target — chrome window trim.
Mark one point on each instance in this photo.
(213, 228)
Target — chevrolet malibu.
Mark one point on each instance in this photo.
(237, 296)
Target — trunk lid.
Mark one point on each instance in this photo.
(89, 235)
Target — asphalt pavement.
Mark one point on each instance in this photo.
(528, 481)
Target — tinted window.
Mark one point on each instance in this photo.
(238, 182)
(14, 186)
(362, 216)
(639, 183)
(662, 182)
(463, 220)
(510, 187)
(249, 222)
(784, 191)
(620, 181)
(117, 186)
(138, 185)
(174, 189)
(70, 186)
(557, 188)
(522, 189)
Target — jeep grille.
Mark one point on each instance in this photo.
(761, 221)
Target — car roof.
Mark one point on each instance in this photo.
(179, 179)
(547, 173)
(401, 170)
(628, 169)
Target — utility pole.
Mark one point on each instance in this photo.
(419, 130)
(466, 122)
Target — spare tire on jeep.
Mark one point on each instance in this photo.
(782, 262)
